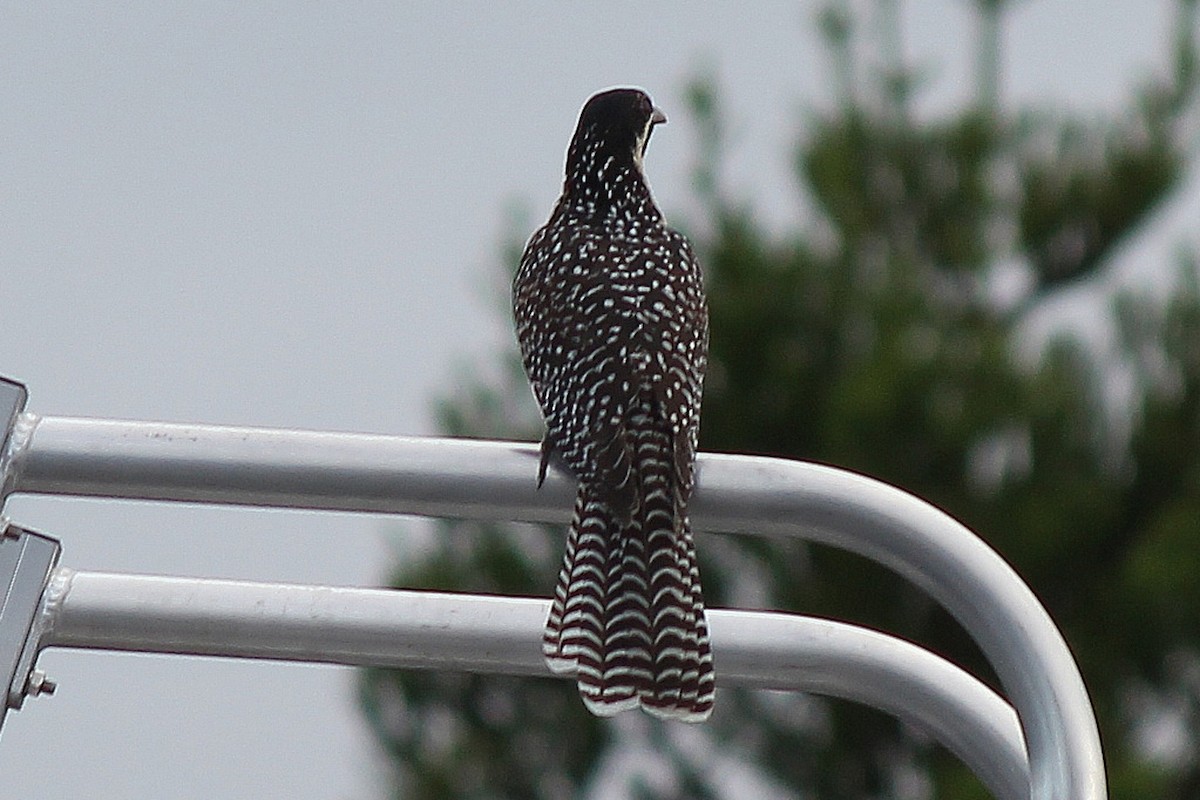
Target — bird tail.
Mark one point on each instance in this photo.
(627, 616)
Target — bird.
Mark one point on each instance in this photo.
(612, 323)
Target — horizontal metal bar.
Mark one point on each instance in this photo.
(282, 468)
(393, 628)
(494, 480)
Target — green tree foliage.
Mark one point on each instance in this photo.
(884, 335)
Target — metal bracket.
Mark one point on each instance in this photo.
(27, 560)
(12, 402)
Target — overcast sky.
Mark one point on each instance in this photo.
(288, 214)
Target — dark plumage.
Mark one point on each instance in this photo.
(613, 328)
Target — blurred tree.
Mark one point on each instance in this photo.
(888, 335)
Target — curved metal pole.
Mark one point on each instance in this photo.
(493, 480)
(396, 628)
(956, 568)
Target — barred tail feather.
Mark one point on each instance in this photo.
(552, 639)
(627, 616)
(696, 686)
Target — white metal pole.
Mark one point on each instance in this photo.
(494, 480)
(487, 634)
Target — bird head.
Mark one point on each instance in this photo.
(616, 123)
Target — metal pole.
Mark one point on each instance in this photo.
(494, 480)
(395, 628)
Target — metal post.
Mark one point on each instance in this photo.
(493, 480)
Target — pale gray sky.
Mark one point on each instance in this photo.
(288, 214)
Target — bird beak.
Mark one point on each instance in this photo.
(657, 117)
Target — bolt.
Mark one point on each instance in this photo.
(38, 684)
